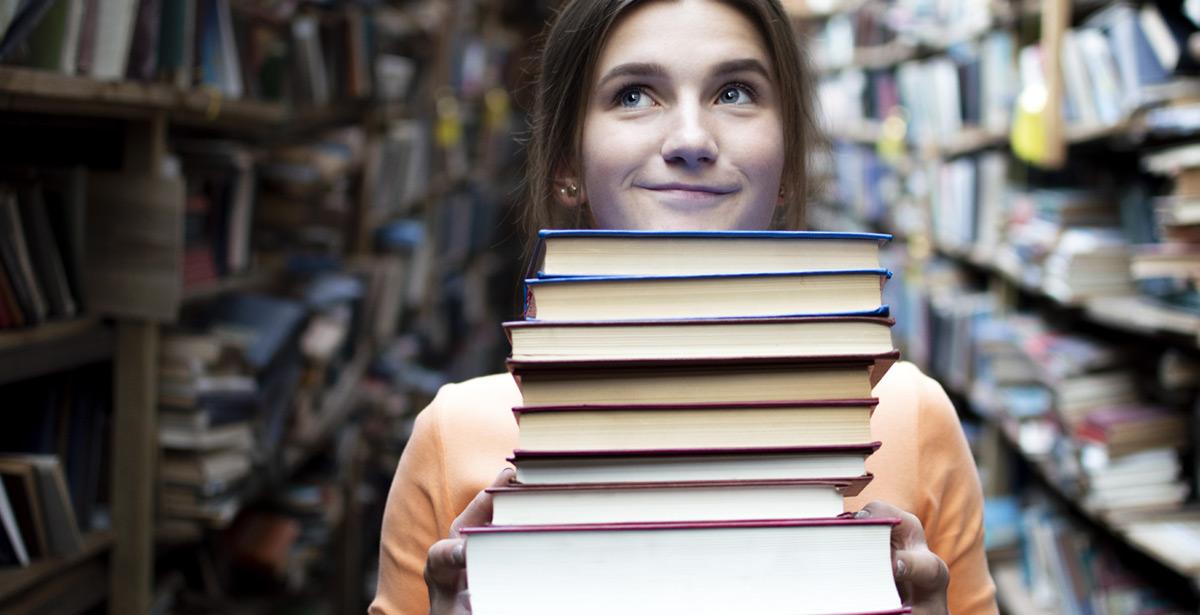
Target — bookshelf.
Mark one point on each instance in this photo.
(142, 123)
(967, 258)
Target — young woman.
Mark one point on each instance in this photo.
(677, 114)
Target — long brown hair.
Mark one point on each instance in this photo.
(572, 47)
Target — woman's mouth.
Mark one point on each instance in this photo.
(690, 193)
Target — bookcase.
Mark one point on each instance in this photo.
(1030, 159)
(422, 222)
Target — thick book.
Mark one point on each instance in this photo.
(17, 261)
(560, 383)
(21, 484)
(203, 469)
(238, 436)
(696, 425)
(802, 567)
(1122, 430)
(681, 465)
(707, 296)
(827, 337)
(45, 253)
(659, 253)
(662, 502)
(12, 545)
(58, 513)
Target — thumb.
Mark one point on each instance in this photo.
(479, 511)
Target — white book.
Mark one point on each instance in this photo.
(114, 34)
(1077, 84)
(8, 521)
(811, 566)
(672, 466)
(1158, 33)
(1102, 68)
(688, 502)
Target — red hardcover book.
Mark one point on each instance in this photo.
(679, 501)
(679, 465)
(805, 566)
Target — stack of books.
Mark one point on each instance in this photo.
(208, 404)
(696, 405)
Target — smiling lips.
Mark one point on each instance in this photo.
(691, 192)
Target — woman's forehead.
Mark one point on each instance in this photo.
(683, 34)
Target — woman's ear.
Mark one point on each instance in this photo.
(568, 192)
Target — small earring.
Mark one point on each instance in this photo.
(570, 190)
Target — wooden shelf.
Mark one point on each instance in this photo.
(36, 91)
(14, 581)
(1131, 314)
(53, 347)
(1042, 468)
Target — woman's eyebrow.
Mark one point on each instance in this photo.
(741, 65)
(633, 69)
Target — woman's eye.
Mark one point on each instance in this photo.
(735, 95)
(633, 98)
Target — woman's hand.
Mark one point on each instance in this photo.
(446, 564)
(921, 576)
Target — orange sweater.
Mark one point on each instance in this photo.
(462, 439)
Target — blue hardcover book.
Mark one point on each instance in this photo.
(570, 253)
(735, 295)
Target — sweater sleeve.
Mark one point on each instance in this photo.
(953, 502)
(413, 519)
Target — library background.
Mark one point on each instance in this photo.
(244, 242)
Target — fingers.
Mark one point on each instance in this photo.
(921, 570)
(921, 576)
(907, 534)
(479, 511)
(445, 563)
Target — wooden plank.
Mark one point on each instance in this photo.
(44, 334)
(14, 581)
(1056, 18)
(53, 347)
(75, 591)
(135, 451)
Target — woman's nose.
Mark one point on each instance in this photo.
(689, 142)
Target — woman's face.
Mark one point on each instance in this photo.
(682, 128)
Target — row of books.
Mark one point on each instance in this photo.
(1120, 59)
(241, 49)
(1104, 420)
(53, 464)
(972, 85)
(685, 391)
(1068, 570)
(41, 248)
(1079, 246)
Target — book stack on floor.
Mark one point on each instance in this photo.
(696, 405)
(208, 403)
(225, 394)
